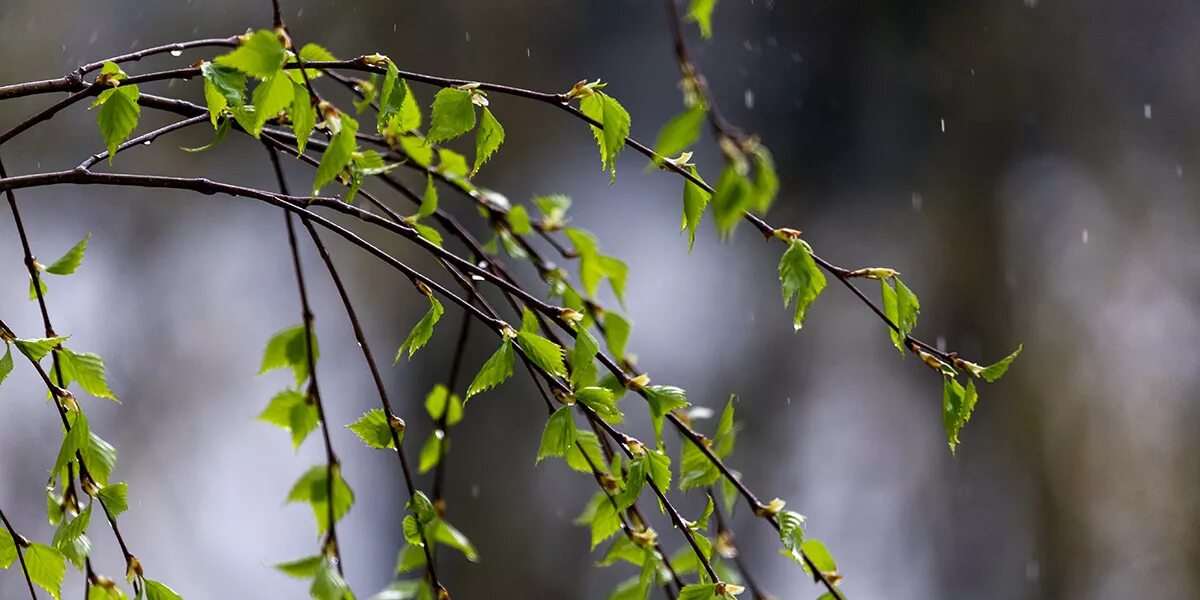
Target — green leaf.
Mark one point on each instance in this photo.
(544, 353)
(614, 121)
(495, 371)
(301, 568)
(37, 348)
(441, 400)
(391, 96)
(338, 154)
(76, 439)
(260, 55)
(659, 469)
(46, 568)
(696, 470)
(800, 279)
(624, 549)
(957, 405)
(453, 115)
(374, 430)
(680, 132)
(791, 534)
(585, 453)
(518, 220)
(602, 401)
(69, 538)
(431, 451)
(902, 307)
(429, 201)
(734, 195)
(766, 180)
(71, 260)
(662, 400)
(33, 291)
(87, 370)
(601, 517)
(695, 200)
(314, 53)
(312, 487)
(303, 115)
(289, 348)
(270, 98)
(487, 139)
(582, 359)
(8, 549)
(328, 583)
(993, 372)
(422, 331)
(554, 208)
(291, 410)
(428, 233)
(446, 534)
(819, 555)
(6, 363)
(118, 116)
(158, 591)
(115, 498)
(616, 333)
(559, 434)
(700, 13)
(223, 87)
(698, 591)
(222, 131)
(100, 458)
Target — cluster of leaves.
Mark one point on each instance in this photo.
(81, 452)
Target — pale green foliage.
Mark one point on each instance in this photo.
(453, 114)
(313, 488)
(374, 430)
(700, 12)
(558, 435)
(1000, 367)
(439, 401)
(958, 403)
(422, 331)
(289, 349)
(613, 129)
(47, 567)
(695, 200)
(487, 139)
(791, 534)
(662, 400)
(337, 156)
(800, 279)
(119, 110)
(294, 412)
(70, 261)
(115, 498)
(260, 55)
(495, 371)
(158, 591)
(87, 370)
(902, 307)
(680, 132)
(6, 363)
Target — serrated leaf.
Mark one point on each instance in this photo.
(301, 568)
(303, 115)
(902, 307)
(662, 400)
(222, 131)
(766, 180)
(87, 370)
(487, 139)
(312, 488)
(695, 200)
(446, 534)
(700, 13)
(495, 371)
(224, 87)
(158, 591)
(582, 359)
(819, 555)
(453, 115)
(47, 567)
(518, 220)
(71, 260)
(431, 451)
(585, 453)
(616, 333)
(75, 440)
(791, 533)
(601, 517)
(428, 233)
(734, 195)
(441, 400)
(8, 549)
(991, 373)
(957, 405)
(328, 583)
(559, 434)
(422, 331)
(800, 279)
(698, 591)
(601, 401)
(696, 470)
(338, 154)
(118, 116)
(544, 353)
(69, 538)
(680, 132)
(615, 127)
(100, 458)
(289, 349)
(659, 469)
(314, 53)
(373, 429)
(260, 55)
(270, 97)
(429, 200)
(115, 498)
(6, 363)
(37, 348)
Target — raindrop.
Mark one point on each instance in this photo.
(917, 201)
(749, 97)
(1032, 569)
(771, 41)
(943, 125)
(394, 25)
(95, 36)
(528, 53)
(177, 53)
(941, 343)
(475, 490)
(1179, 171)
(147, 142)
(796, 57)
(468, 35)
(1084, 237)
(1031, 3)
(1146, 111)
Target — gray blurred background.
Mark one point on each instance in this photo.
(1028, 165)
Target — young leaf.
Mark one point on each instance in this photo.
(224, 87)
(328, 584)
(76, 439)
(487, 139)
(601, 401)
(422, 331)
(695, 468)
(115, 498)
(71, 260)
(700, 13)
(559, 435)
(270, 98)
(431, 451)
(441, 400)
(289, 348)
(391, 95)
(453, 115)
(734, 194)
(819, 555)
(957, 405)
(800, 279)
(766, 181)
(8, 550)
(614, 129)
(87, 370)
(680, 132)
(585, 453)
(291, 410)
(100, 458)
(301, 568)
(46, 568)
(6, 363)
(338, 154)
(544, 353)
(312, 53)
(429, 201)
(662, 400)
(260, 55)
(118, 115)
(582, 359)
(37, 348)
(658, 467)
(495, 371)
(616, 333)
(699, 591)
(601, 517)
(695, 200)
(312, 488)
(303, 115)
(791, 534)
(902, 307)
(446, 534)
(69, 538)
(158, 591)
(991, 373)
(374, 430)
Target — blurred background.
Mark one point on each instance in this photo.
(1029, 165)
